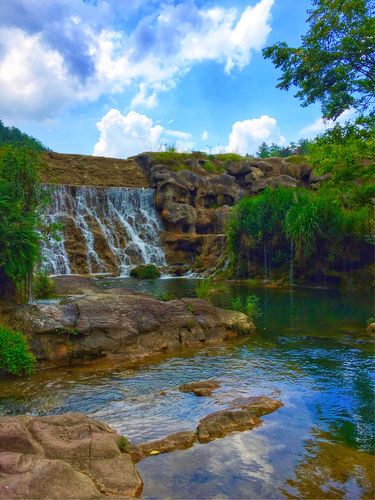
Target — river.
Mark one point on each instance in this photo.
(311, 351)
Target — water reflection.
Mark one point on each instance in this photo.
(311, 352)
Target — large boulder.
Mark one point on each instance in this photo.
(121, 323)
(66, 456)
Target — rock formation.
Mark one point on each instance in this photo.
(75, 457)
(119, 323)
(193, 196)
(65, 456)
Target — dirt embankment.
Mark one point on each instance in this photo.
(82, 170)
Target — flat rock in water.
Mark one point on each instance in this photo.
(201, 388)
(178, 441)
(120, 323)
(242, 415)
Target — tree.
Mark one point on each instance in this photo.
(21, 198)
(335, 63)
(263, 151)
(14, 136)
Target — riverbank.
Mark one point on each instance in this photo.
(87, 323)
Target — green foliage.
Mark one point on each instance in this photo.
(21, 199)
(335, 63)
(190, 308)
(274, 150)
(346, 152)
(166, 296)
(249, 305)
(123, 444)
(14, 136)
(312, 225)
(15, 355)
(43, 286)
(228, 157)
(206, 288)
(146, 271)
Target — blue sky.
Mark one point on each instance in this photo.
(118, 77)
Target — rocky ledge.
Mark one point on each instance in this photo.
(65, 456)
(119, 323)
(73, 456)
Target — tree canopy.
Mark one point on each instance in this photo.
(14, 136)
(21, 198)
(335, 63)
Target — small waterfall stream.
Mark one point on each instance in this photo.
(104, 230)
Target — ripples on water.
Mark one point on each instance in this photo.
(311, 352)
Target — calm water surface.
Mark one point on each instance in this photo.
(311, 352)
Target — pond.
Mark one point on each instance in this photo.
(311, 352)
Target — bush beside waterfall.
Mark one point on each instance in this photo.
(310, 229)
(15, 355)
(21, 198)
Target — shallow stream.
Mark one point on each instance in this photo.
(311, 352)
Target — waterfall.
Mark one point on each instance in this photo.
(104, 230)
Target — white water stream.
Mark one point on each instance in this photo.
(125, 217)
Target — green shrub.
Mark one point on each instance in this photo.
(43, 286)
(21, 200)
(166, 296)
(207, 287)
(280, 223)
(145, 271)
(249, 306)
(15, 355)
(123, 444)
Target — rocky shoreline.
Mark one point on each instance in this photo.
(89, 323)
(74, 456)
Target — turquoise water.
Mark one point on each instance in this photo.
(311, 351)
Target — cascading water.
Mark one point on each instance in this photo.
(105, 230)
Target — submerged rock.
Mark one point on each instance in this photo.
(121, 323)
(65, 456)
(202, 388)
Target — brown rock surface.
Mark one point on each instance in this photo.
(178, 441)
(120, 323)
(65, 456)
(82, 170)
(201, 388)
(243, 414)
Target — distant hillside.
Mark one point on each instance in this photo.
(14, 136)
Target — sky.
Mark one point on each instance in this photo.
(119, 77)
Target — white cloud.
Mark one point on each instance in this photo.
(144, 98)
(42, 72)
(320, 125)
(247, 135)
(126, 135)
(204, 136)
(34, 80)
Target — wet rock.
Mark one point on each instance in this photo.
(65, 456)
(243, 414)
(201, 388)
(371, 329)
(122, 323)
(145, 271)
(178, 441)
